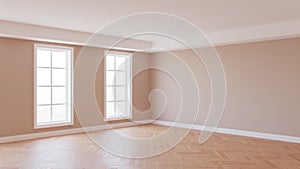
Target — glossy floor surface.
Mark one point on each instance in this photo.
(220, 151)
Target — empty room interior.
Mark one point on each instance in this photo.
(94, 84)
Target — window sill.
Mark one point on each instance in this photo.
(50, 125)
(118, 118)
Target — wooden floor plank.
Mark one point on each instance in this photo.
(221, 151)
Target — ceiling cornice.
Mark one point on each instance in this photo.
(234, 36)
(54, 35)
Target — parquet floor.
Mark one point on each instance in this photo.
(221, 151)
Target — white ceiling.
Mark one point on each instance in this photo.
(211, 16)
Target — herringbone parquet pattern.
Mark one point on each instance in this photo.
(221, 151)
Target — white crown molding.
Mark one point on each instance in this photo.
(47, 34)
(68, 131)
(261, 135)
(257, 33)
(235, 36)
(284, 30)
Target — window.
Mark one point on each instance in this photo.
(117, 85)
(53, 102)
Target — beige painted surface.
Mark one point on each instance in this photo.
(263, 86)
(16, 87)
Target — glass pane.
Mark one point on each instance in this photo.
(59, 59)
(59, 77)
(110, 94)
(120, 93)
(110, 77)
(120, 63)
(110, 62)
(43, 114)
(121, 109)
(59, 95)
(43, 76)
(59, 113)
(43, 95)
(120, 78)
(128, 108)
(110, 109)
(43, 58)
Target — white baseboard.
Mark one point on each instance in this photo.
(66, 132)
(233, 131)
(159, 122)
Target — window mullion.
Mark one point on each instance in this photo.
(51, 97)
(115, 83)
(48, 57)
(67, 87)
(126, 71)
(113, 70)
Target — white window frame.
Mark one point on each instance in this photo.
(130, 86)
(71, 101)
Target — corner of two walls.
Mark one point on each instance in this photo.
(174, 98)
(140, 87)
(263, 85)
(16, 87)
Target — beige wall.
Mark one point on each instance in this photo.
(16, 87)
(262, 77)
(263, 86)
